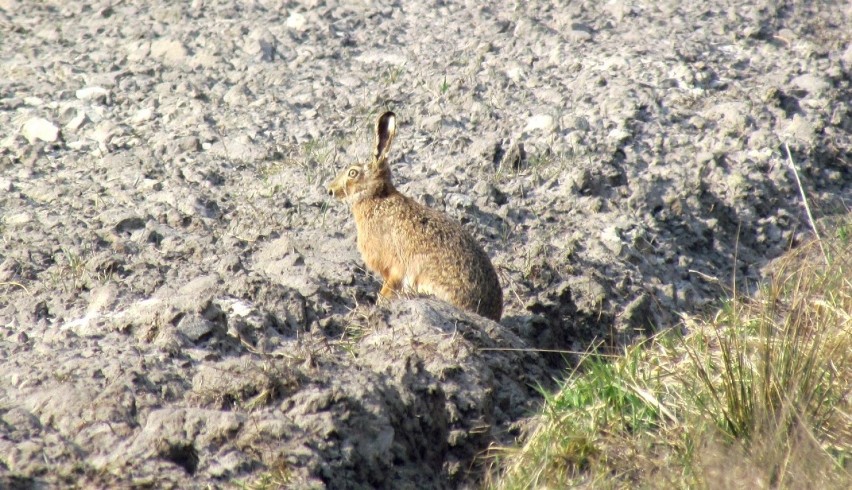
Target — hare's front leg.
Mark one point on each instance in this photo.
(391, 285)
(387, 291)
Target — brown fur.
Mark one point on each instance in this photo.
(414, 248)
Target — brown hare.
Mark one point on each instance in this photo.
(415, 249)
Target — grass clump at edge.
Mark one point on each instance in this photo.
(757, 396)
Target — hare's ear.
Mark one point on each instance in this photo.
(385, 131)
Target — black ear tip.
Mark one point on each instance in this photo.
(387, 120)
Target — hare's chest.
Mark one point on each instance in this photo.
(376, 249)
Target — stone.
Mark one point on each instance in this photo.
(812, 84)
(142, 115)
(40, 129)
(77, 121)
(97, 94)
(540, 122)
(195, 327)
(296, 21)
(170, 51)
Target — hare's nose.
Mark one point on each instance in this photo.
(330, 192)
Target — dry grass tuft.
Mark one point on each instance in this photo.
(756, 397)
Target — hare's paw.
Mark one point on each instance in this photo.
(388, 292)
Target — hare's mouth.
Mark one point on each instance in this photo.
(338, 192)
(345, 194)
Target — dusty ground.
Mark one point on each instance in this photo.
(182, 306)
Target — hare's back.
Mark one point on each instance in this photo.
(446, 260)
(437, 235)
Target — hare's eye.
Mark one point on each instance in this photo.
(353, 172)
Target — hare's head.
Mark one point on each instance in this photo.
(371, 179)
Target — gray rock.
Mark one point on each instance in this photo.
(195, 327)
(813, 84)
(237, 95)
(77, 121)
(97, 94)
(169, 50)
(142, 115)
(40, 129)
(296, 21)
(540, 122)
